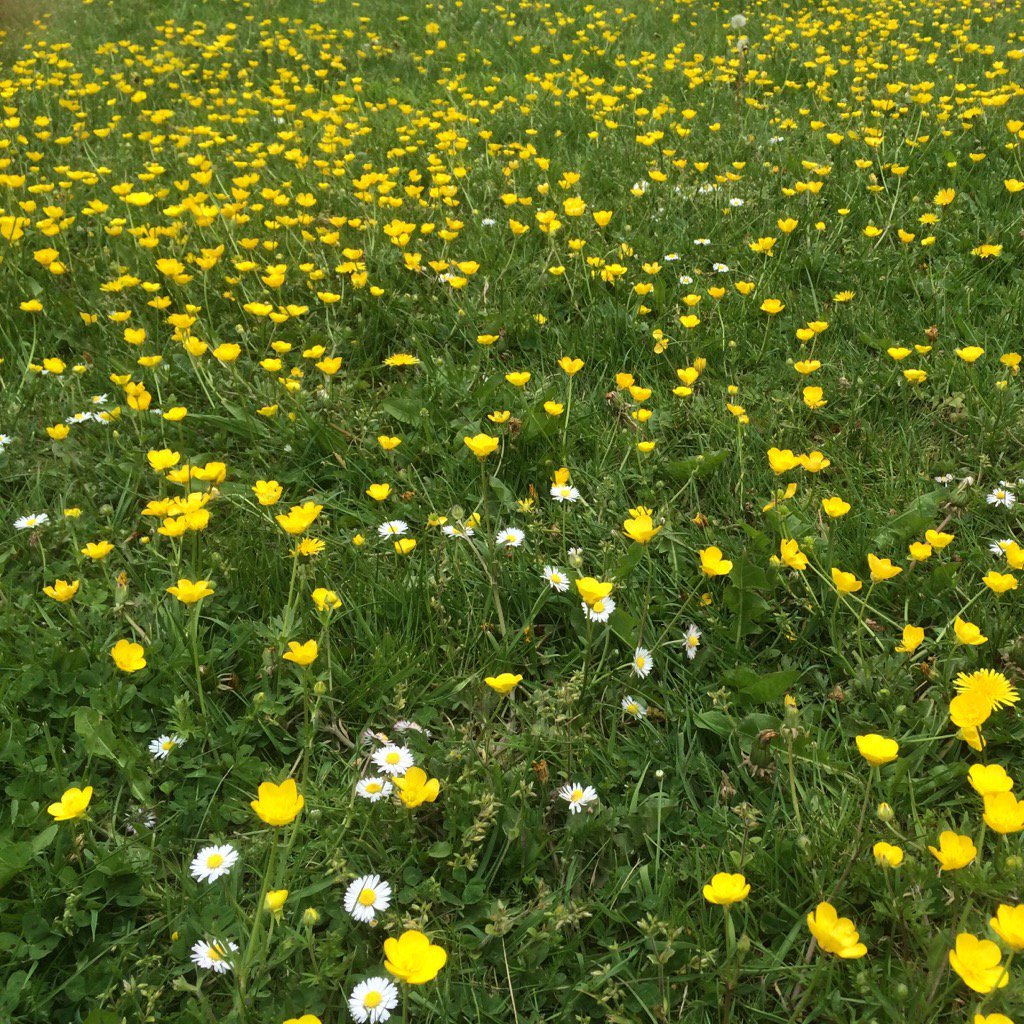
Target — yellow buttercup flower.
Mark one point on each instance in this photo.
(886, 855)
(713, 562)
(325, 600)
(504, 683)
(128, 656)
(987, 779)
(968, 633)
(278, 804)
(1008, 924)
(593, 590)
(413, 958)
(836, 935)
(302, 654)
(1004, 813)
(979, 963)
(913, 637)
(725, 889)
(845, 582)
(62, 590)
(640, 529)
(481, 445)
(877, 750)
(834, 507)
(188, 592)
(415, 787)
(268, 492)
(73, 804)
(954, 851)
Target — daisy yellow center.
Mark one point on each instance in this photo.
(216, 953)
(598, 607)
(577, 794)
(167, 745)
(214, 860)
(640, 662)
(372, 999)
(556, 577)
(393, 758)
(367, 897)
(632, 707)
(374, 787)
(691, 641)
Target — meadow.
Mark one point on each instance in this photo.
(509, 512)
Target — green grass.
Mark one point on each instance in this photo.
(230, 123)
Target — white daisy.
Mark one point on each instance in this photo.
(633, 707)
(372, 1000)
(735, 202)
(671, 257)
(79, 417)
(488, 222)
(213, 862)
(577, 796)
(685, 279)
(564, 492)
(393, 528)
(98, 399)
(702, 241)
(557, 580)
(692, 638)
(1002, 497)
(214, 956)
(510, 537)
(366, 897)
(163, 745)
(720, 268)
(998, 547)
(393, 759)
(599, 611)
(405, 725)
(5, 440)
(945, 478)
(32, 521)
(374, 789)
(643, 663)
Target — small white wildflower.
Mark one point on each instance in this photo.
(393, 759)
(511, 537)
(1001, 497)
(577, 796)
(564, 492)
(372, 1001)
(213, 862)
(374, 789)
(599, 611)
(643, 663)
(692, 638)
(366, 897)
(32, 521)
(163, 745)
(556, 579)
(393, 528)
(214, 956)
(633, 707)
